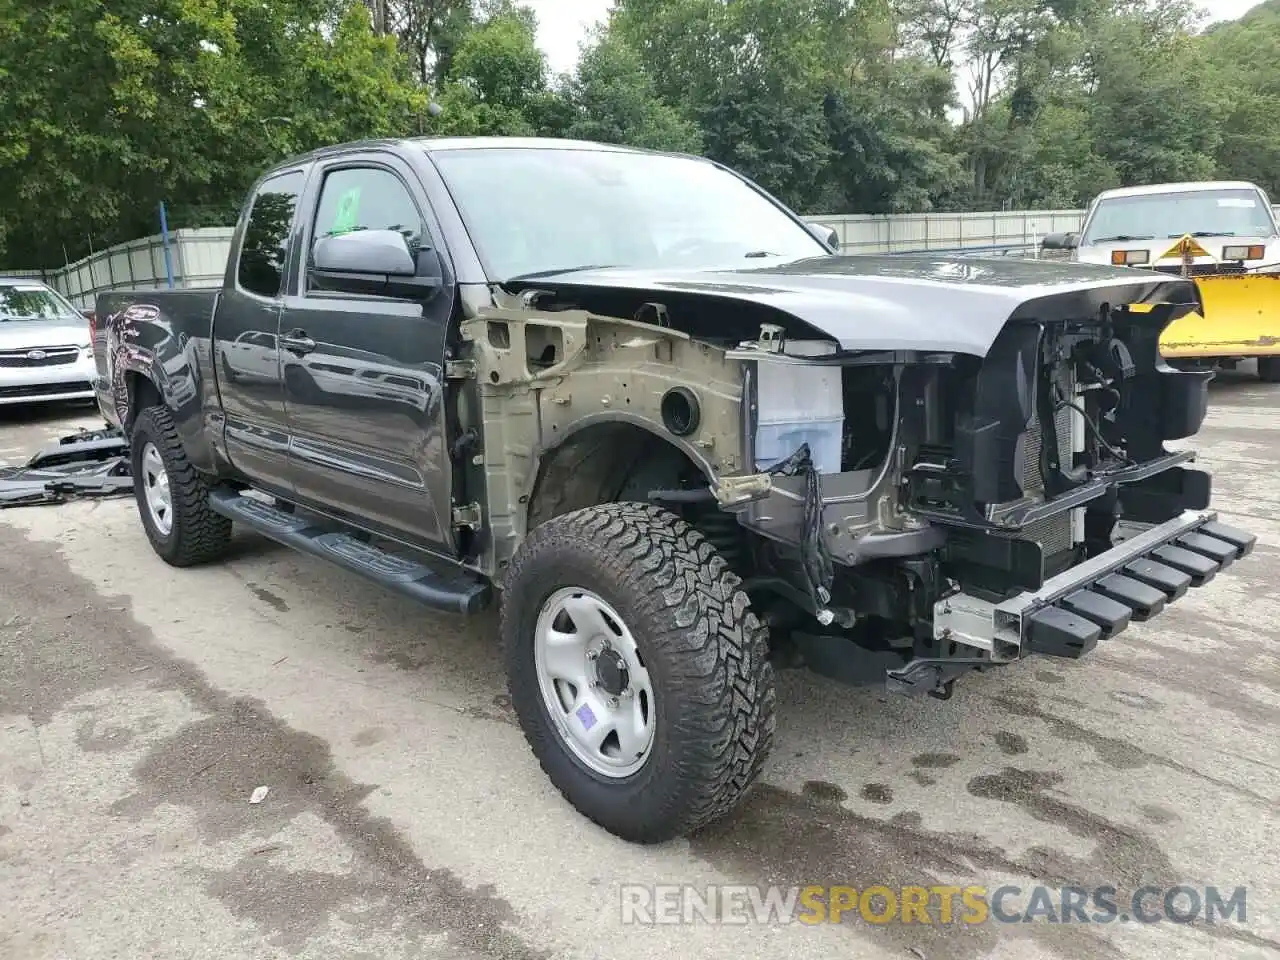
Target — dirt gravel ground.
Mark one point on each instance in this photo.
(140, 706)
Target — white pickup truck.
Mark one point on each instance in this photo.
(1223, 234)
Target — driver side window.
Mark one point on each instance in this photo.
(366, 198)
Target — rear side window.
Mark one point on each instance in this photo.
(266, 237)
(367, 198)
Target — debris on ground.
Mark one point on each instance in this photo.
(90, 463)
(259, 794)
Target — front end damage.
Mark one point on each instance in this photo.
(1021, 503)
(974, 510)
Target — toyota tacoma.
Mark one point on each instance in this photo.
(677, 440)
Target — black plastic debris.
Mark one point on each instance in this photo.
(91, 463)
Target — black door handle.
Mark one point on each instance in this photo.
(297, 341)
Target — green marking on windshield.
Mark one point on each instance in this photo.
(348, 215)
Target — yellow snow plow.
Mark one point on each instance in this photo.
(1241, 313)
(1225, 237)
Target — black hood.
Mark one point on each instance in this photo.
(904, 302)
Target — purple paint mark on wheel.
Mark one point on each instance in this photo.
(586, 717)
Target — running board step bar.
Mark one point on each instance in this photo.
(451, 589)
(1132, 582)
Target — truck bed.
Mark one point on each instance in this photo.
(175, 332)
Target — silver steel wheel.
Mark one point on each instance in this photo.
(155, 489)
(594, 682)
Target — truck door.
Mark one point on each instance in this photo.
(363, 374)
(245, 326)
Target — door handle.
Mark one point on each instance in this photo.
(297, 341)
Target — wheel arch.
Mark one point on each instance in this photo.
(607, 458)
(145, 384)
(141, 391)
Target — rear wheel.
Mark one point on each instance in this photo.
(1269, 369)
(173, 498)
(637, 670)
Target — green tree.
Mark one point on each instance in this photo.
(1243, 57)
(890, 140)
(613, 100)
(752, 74)
(428, 31)
(1061, 166)
(497, 84)
(177, 100)
(1156, 110)
(833, 105)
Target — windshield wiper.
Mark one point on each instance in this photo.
(1203, 233)
(538, 274)
(1120, 238)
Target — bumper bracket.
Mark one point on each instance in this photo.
(1097, 599)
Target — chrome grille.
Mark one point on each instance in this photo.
(39, 357)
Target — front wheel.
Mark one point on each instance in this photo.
(173, 498)
(1269, 369)
(637, 669)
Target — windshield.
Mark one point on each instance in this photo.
(1160, 216)
(541, 211)
(20, 301)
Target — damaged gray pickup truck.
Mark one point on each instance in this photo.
(655, 419)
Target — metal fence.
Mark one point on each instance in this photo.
(198, 256)
(1005, 231)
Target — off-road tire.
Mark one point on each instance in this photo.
(704, 649)
(197, 534)
(1269, 369)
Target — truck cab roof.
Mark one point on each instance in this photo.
(431, 145)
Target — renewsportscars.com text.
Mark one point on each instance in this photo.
(935, 904)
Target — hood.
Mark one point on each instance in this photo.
(903, 302)
(30, 334)
(1164, 252)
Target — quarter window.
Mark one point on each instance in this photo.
(266, 236)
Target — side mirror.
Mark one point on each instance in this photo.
(1060, 241)
(826, 234)
(376, 262)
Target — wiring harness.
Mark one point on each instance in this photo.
(815, 557)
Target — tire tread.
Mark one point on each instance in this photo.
(723, 722)
(199, 534)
